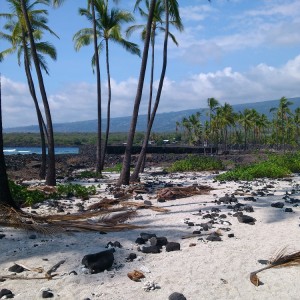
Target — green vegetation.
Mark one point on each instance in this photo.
(26, 197)
(117, 168)
(276, 166)
(196, 163)
(88, 174)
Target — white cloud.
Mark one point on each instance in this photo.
(78, 102)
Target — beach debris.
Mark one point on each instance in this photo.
(172, 246)
(214, 237)
(19, 268)
(281, 260)
(6, 293)
(176, 296)
(135, 275)
(150, 286)
(99, 262)
(48, 275)
(100, 220)
(172, 193)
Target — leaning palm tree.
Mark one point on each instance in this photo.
(157, 25)
(125, 173)
(108, 28)
(19, 43)
(173, 11)
(51, 176)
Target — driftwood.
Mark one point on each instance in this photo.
(48, 275)
(172, 193)
(280, 260)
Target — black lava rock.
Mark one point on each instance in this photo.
(288, 210)
(140, 241)
(231, 235)
(16, 269)
(2, 236)
(158, 241)
(99, 262)
(246, 219)
(131, 257)
(151, 249)
(278, 204)
(213, 237)
(115, 244)
(7, 293)
(177, 296)
(172, 246)
(47, 294)
(147, 236)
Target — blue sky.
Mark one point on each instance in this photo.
(238, 51)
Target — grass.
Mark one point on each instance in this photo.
(196, 163)
(276, 166)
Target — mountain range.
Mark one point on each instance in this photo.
(164, 122)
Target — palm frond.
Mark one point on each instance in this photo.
(281, 259)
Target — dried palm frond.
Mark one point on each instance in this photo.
(173, 193)
(141, 205)
(107, 220)
(280, 260)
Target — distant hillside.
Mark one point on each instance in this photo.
(164, 122)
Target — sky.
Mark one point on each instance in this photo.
(237, 51)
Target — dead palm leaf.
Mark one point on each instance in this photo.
(280, 260)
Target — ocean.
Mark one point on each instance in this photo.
(37, 150)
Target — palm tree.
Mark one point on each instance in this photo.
(171, 9)
(156, 25)
(283, 112)
(19, 41)
(5, 194)
(51, 176)
(225, 119)
(213, 104)
(125, 173)
(245, 118)
(108, 28)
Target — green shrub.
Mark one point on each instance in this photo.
(88, 174)
(196, 163)
(117, 168)
(23, 196)
(275, 167)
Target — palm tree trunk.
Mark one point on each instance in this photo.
(142, 155)
(51, 176)
(125, 173)
(5, 194)
(42, 173)
(151, 90)
(99, 166)
(108, 104)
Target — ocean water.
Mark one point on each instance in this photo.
(37, 150)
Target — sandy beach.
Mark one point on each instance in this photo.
(201, 269)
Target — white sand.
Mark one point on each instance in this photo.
(208, 270)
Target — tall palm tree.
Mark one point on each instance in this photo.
(245, 118)
(213, 104)
(283, 112)
(5, 194)
(108, 28)
(19, 41)
(51, 176)
(125, 173)
(157, 23)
